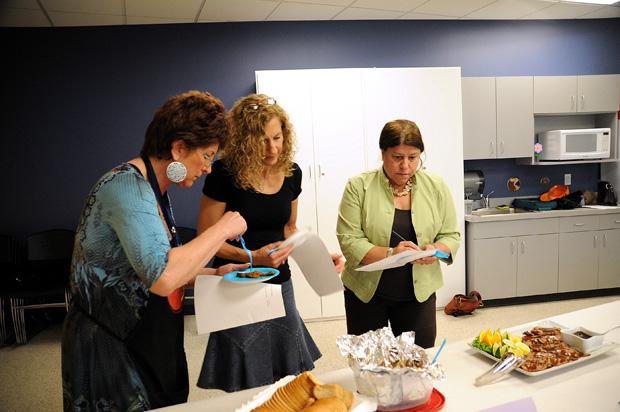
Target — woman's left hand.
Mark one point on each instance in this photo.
(224, 269)
(429, 259)
(338, 260)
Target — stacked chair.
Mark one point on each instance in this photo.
(42, 277)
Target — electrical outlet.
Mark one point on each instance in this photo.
(567, 179)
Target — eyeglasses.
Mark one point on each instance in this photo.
(209, 159)
(270, 101)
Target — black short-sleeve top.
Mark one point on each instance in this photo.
(265, 214)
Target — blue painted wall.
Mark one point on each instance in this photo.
(76, 101)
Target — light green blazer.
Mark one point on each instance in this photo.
(365, 220)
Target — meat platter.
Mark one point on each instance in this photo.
(550, 324)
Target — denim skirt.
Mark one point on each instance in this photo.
(259, 353)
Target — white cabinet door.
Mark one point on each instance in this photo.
(555, 94)
(339, 152)
(479, 124)
(578, 263)
(609, 259)
(292, 90)
(492, 267)
(537, 265)
(515, 117)
(598, 93)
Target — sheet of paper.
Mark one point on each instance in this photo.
(396, 260)
(222, 305)
(317, 266)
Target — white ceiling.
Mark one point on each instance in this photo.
(56, 13)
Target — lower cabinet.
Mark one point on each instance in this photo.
(514, 266)
(609, 259)
(543, 256)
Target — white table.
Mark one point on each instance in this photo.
(591, 386)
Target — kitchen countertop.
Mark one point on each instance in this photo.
(581, 211)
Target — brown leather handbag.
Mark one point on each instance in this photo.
(464, 304)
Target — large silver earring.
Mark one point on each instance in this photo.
(176, 172)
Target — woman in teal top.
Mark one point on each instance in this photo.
(390, 210)
(122, 343)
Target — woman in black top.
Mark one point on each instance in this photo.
(257, 177)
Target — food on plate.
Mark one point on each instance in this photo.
(254, 274)
(306, 393)
(497, 343)
(547, 349)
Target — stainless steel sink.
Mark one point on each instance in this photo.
(487, 211)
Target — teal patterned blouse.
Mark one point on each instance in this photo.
(121, 249)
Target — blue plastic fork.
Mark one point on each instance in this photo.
(246, 251)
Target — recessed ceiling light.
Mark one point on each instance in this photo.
(591, 1)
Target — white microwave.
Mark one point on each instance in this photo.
(575, 144)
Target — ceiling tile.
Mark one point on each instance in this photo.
(23, 18)
(237, 10)
(20, 4)
(424, 16)
(508, 9)
(354, 13)
(396, 5)
(304, 11)
(603, 13)
(563, 11)
(456, 8)
(180, 9)
(81, 19)
(85, 6)
(155, 20)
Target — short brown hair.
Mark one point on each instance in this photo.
(401, 131)
(243, 151)
(197, 118)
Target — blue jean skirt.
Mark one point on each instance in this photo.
(259, 353)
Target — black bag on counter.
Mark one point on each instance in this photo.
(570, 201)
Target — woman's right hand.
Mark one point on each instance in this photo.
(405, 245)
(233, 224)
(263, 257)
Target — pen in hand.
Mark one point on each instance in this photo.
(401, 238)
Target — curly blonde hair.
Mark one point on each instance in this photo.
(244, 150)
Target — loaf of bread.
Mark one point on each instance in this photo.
(306, 393)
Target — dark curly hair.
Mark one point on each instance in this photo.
(197, 118)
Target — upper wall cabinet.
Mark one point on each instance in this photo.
(576, 94)
(498, 119)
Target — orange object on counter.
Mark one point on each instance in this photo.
(556, 192)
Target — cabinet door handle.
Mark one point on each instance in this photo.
(310, 172)
(512, 248)
(523, 247)
(583, 102)
(616, 221)
(605, 240)
(501, 147)
(595, 241)
(492, 148)
(579, 224)
(572, 102)
(320, 172)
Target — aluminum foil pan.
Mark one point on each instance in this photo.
(395, 371)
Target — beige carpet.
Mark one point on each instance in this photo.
(30, 374)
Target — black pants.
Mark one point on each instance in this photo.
(402, 316)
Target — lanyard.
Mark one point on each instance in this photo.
(163, 200)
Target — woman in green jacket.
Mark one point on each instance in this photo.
(393, 209)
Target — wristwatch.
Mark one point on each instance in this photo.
(390, 250)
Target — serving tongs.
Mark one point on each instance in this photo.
(502, 367)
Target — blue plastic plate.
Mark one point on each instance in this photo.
(233, 276)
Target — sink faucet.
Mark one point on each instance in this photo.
(485, 199)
